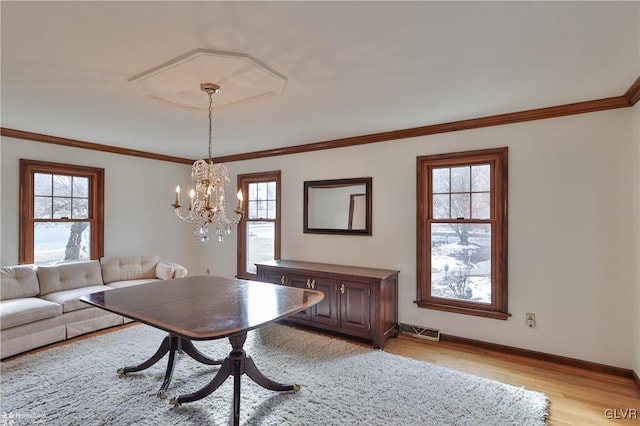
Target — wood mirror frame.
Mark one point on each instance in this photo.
(338, 206)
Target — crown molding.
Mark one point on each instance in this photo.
(38, 137)
(474, 123)
(633, 94)
(629, 99)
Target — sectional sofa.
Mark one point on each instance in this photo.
(40, 305)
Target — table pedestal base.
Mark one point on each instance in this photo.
(235, 364)
(171, 344)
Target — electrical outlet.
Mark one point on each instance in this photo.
(531, 319)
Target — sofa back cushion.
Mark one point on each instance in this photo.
(68, 276)
(18, 281)
(128, 268)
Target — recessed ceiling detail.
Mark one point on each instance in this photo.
(241, 78)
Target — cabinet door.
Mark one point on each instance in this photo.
(300, 281)
(272, 275)
(355, 307)
(326, 312)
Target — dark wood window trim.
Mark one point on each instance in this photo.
(499, 162)
(243, 183)
(96, 204)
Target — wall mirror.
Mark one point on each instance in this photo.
(338, 206)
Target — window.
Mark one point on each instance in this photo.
(462, 232)
(61, 212)
(259, 230)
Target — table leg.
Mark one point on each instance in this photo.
(162, 350)
(256, 375)
(173, 347)
(194, 353)
(171, 344)
(235, 364)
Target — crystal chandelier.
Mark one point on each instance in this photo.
(207, 201)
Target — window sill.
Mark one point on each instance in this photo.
(252, 277)
(479, 312)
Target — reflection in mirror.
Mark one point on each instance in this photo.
(339, 206)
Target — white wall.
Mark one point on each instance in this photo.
(570, 247)
(573, 228)
(138, 193)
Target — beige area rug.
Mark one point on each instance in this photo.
(342, 384)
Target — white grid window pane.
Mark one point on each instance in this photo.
(260, 243)
(42, 184)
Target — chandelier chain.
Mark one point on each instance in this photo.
(210, 92)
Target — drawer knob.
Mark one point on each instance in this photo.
(282, 279)
(342, 289)
(313, 284)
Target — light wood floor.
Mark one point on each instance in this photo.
(577, 396)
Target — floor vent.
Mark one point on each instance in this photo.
(420, 332)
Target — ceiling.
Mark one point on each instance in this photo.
(351, 68)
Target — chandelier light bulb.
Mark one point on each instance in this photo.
(240, 198)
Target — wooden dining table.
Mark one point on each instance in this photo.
(206, 308)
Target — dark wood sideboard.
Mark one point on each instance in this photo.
(359, 302)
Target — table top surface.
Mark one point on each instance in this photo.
(205, 307)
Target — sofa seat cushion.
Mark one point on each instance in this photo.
(129, 283)
(16, 312)
(70, 299)
(69, 276)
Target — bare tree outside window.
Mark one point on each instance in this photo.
(58, 215)
(462, 232)
(61, 197)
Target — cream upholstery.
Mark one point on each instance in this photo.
(25, 310)
(70, 299)
(33, 335)
(68, 276)
(179, 271)
(18, 281)
(40, 305)
(164, 271)
(128, 268)
(129, 283)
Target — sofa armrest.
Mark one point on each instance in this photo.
(179, 270)
(169, 270)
